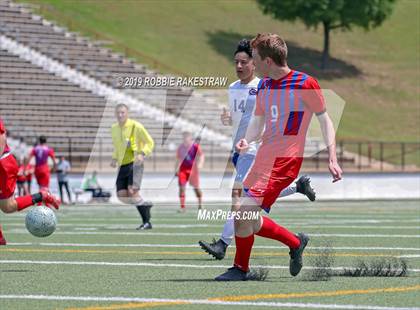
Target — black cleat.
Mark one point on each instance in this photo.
(236, 274)
(296, 261)
(303, 186)
(232, 274)
(140, 227)
(217, 248)
(146, 226)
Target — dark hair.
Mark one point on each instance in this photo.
(244, 46)
(42, 139)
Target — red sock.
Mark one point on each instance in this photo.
(243, 252)
(272, 230)
(182, 198)
(24, 202)
(1, 234)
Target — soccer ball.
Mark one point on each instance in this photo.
(41, 221)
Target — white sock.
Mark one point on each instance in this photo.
(288, 191)
(228, 231)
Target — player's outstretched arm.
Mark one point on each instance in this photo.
(328, 134)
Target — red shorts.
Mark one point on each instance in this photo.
(190, 175)
(265, 183)
(42, 175)
(8, 176)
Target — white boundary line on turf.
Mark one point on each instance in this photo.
(172, 234)
(166, 225)
(158, 245)
(203, 302)
(141, 264)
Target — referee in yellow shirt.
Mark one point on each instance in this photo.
(132, 143)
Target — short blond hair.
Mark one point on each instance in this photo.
(271, 45)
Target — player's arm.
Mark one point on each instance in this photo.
(177, 161)
(328, 133)
(51, 154)
(201, 158)
(2, 142)
(28, 159)
(226, 117)
(253, 133)
(148, 142)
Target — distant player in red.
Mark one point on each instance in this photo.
(42, 152)
(21, 179)
(190, 160)
(8, 178)
(286, 101)
(29, 171)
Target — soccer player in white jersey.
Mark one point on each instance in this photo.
(242, 96)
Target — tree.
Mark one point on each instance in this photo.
(332, 14)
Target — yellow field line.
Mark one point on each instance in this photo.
(258, 297)
(318, 294)
(180, 252)
(132, 305)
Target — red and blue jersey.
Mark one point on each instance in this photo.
(187, 154)
(41, 154)
(2, 132)
(287, 105)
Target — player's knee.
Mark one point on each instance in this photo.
(8, 205)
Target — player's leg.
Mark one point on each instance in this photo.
(134, 185)
(218, 248)
(60, 188)
(2, 239)
(66, 185)
(244, 240)
(195, 183)
(8, 178)
(303, 186)
(183, 176)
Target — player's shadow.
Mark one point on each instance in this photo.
(303, 59)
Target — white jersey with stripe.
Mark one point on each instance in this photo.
(242, 99)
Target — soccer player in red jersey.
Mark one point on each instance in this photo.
(41, 152)
(8, 178)
(191, 157)
(286, 102)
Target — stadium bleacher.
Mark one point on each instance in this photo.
(30, 95)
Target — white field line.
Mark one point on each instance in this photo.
(299, 221)
(141, 264)
(128, 233)
(151, 245)
(203, 302)
(185, 226)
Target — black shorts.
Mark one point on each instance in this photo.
(130, 175)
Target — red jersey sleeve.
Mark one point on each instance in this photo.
(313, 97)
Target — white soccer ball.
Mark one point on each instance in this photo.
(41, 221)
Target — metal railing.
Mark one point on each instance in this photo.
(363, 156)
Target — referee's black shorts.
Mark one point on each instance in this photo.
(130, 175)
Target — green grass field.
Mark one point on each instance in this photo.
(97, 260)
(375, 72)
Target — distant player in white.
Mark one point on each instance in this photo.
(242, 96)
